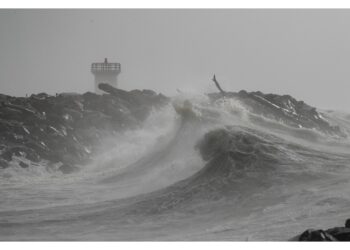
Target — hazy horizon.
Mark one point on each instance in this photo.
(303, 53)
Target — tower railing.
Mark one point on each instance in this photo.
(105, 67)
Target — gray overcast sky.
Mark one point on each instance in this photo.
(304, 53)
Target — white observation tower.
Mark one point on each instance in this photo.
(105, 72)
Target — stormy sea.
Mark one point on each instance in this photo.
(140, 166)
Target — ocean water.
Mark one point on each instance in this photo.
(160, 182)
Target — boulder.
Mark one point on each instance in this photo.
(316, 235)
(347, 223)
(68, 169)
(332, 234)
(23, 164)
(3, 163)
(340, 233)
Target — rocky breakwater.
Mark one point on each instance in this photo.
(331, 234)
(67, 129)
(282, 108)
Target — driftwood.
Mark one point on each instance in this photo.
(218, 86)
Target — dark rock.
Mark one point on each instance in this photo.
(347, 223)
(149, 92)
(68, 169)
(340, 233)
(23, 165)
(332, 234)
(316, 235)
(42, 95)
(28, 152)
(3, 163)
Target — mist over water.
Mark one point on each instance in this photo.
(198, 172)
(126, 163)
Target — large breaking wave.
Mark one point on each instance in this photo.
(198, 170)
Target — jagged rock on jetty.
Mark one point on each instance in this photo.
(332, 234)
(68, 128)
(282, 108)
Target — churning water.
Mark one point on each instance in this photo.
(207, 174)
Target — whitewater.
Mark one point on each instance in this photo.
(192, 171)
